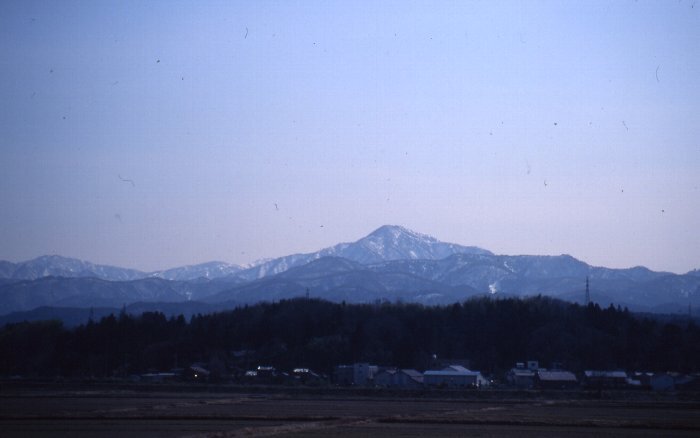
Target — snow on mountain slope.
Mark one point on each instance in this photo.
(391, 263)
(393, 242)
(57, 266)
(53, 265)
(389, 242)
(338, 279)
(207, 270)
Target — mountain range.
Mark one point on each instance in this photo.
(392, 263)
(57, 266)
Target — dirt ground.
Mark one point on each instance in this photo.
(85, 413)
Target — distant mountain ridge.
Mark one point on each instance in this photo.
(58, 266)
(461, 276)
(209, 270)
(389, 242)
(391, 263)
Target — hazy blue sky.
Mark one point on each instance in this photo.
(154, 134)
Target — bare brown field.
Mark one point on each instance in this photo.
(86, 413)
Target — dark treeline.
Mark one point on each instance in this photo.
(492, 333)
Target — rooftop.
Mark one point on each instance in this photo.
(558, 376)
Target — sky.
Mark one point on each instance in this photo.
(155, 134)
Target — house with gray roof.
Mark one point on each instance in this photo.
(556, 379)
(605, 379)
(399, 378)
(454, 376)
(521, 377)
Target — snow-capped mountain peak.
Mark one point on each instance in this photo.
(394, 242)
(386, 243)
(396, 234)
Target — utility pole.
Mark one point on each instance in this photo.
(588, 292)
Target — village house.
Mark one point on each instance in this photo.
(523, 376)
(597, 379)
(398, 378)
(263, 374)
(652, 381)
(687, 382)
(438, 363)
(197, 372)
(454, 376)
(555, 379)
(158, 377)
(640, 379)
(307, 376)
(358, 374)
(662, 382)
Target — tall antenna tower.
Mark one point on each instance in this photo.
(588, 292)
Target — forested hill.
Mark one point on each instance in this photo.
(493, 334)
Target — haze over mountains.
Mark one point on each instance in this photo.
(392, 263)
